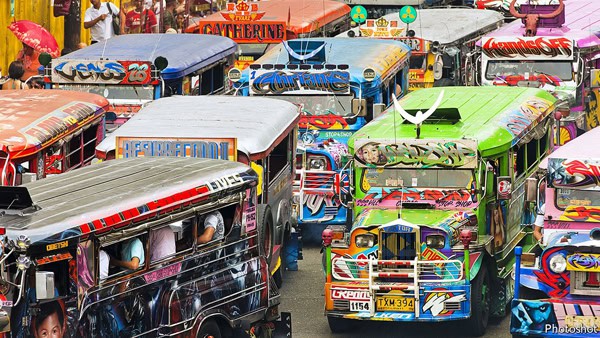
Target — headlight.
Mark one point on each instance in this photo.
(436, 241)
(317, 163)
(558, 263)
(365, 241)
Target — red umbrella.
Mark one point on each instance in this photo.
(35, 36)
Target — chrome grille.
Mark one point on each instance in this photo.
(584, 284)
(341, 305)
(398, 246)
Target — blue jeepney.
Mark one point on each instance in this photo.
(131, 70)
(341, 84)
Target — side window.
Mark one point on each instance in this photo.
(213, 226)
(518, 161)
(278, 159)
(532, 153)
(123, 257)
(90, 137)
(74, 152)
(169, 240)
(60, 265)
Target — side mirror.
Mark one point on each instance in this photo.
(378, 108)
(359, 107)
(110, 116)
(504, 187)
(438, 66)
(44, 284)
(531, 189)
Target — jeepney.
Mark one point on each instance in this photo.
(259, 132)
(47, 132)
(132, 70)
(556, 293)
(336, 99)
(438, 197)
(442, 42)
(59, 235)
(259, 26)
(553, 47)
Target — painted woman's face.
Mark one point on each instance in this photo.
(370, 153)
(50, 328)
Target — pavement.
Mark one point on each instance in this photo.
(302, 295)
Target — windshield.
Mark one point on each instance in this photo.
(504, 68)
(316, 105)
(422, 178)
(115, 92)
(418, 61)
(568, 197)
(255, 49)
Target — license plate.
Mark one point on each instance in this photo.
(401, 304)
(360, 306)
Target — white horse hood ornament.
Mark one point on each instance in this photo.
(420, 117)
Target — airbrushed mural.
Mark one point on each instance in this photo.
(415, 153)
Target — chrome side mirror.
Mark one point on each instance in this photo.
(44, 284)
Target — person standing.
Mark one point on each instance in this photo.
(29, 57)
(99, 20)
(140, 20)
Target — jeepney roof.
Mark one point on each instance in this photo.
(185, 53)
(496, 117)
(580, 148)
(95, 197)
(446, 25)
(381, 216)
(300, 16)
(32, 119)
(358, 54)
(256, 122)
(581, 25)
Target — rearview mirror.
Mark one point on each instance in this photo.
(359, 107)
(531, 189)
(110, 116)
(378, 109)
(44, 284)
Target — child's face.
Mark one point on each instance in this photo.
(50, 328)
(370, 154)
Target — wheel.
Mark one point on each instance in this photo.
(209, 329)
(480, 303)
(339, 325)
(265, 231)
(445, 82)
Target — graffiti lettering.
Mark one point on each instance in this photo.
(350, 294)
(541, 46)
(426, 155)
(581, 175)
(582, 261)
(519, 121)
(98, 70)
(443, 199)
(278, 82)
(202, 149)
(225, 182)
(323, 122)
(582, 214)
(138, 73)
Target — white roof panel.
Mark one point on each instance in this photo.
(256, 122)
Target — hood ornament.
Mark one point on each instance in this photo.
(419, 117)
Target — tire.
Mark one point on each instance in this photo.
(265, 231)
(445, 82)
(339, 325)
(480, 303)
(209, 329)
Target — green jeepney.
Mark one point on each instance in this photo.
(439, 199)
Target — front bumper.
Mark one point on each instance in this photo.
(555, 318)
(436, 302)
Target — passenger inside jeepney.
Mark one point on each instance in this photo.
(213, 226)
(130, 253)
